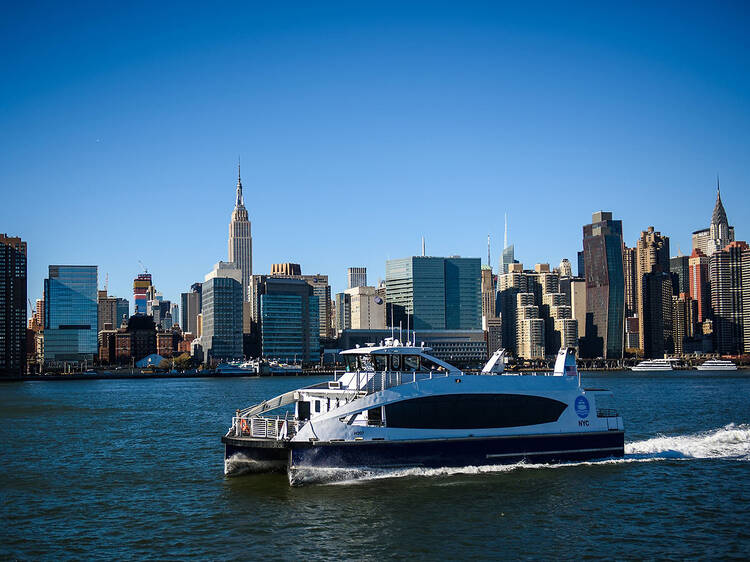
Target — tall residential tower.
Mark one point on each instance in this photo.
(12, 305)
(605, 287)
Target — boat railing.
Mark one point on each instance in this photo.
(375, 381)
(275, 427)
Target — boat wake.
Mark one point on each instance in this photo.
(731, 442)
(239, 464)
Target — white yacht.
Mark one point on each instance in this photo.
(653, 365)
(717, 365)
(398, 406)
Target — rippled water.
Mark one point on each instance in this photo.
(115, 469)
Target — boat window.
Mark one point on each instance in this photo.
(365, 363)
(411, 362)
(395, 362)
(351, 362)
(303, 410)
(375, 416)
(473, 411)
(379, 362)
(429, 365)
(317, 406)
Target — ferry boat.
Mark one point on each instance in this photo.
(236, 368)
(653, 365)
(398, 406)
(717, 365)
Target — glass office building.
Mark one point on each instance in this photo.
(222, 318)
(605, 287)
(291, 330)
(71, 313)
(437, 293)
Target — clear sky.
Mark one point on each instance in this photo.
(362, 127)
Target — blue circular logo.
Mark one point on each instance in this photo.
(582, 407)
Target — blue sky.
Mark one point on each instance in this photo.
(362, 127)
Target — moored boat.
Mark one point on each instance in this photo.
(653, 365)
(398, 406)
(717, 365)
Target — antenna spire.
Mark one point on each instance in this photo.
(239, 184)
(489, 262)
(505, 240)
(423, 254)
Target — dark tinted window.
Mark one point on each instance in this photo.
(303, 410)
(473, 411)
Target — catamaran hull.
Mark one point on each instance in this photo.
(262, 455)
(435, 453)
(255, 455)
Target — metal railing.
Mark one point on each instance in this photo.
(370, 382)
(265, 428)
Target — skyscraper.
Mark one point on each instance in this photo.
(71, 313)
(141, 288)
(287, 318)
(191, 308)
(631, 285)
(657, 322)
(652, 255)
(605, 287)
(699, 284)
(366, 308)
(566, 269)
(684, 321)
(437, 293)
(680, 267)
(222, 312)
(729, 272)
(240, 239)
(488, 292)
(509, 285)
(111, 310)
(718, 234)
(12, 305)
(343, 312)
(356, 277)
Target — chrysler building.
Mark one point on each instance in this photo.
(240, 239)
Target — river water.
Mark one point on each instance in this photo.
(134, 468)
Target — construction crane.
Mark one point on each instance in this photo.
(145, 269)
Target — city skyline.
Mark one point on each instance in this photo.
(338, 285)
(586, 108)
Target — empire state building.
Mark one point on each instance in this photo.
(240, 239)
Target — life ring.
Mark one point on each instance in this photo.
(244, 425)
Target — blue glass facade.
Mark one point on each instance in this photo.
(437, 293)
(71, 313)
(222, 318)
(291, 327)
(605, 287)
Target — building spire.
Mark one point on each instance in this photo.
(239, 185)
(505, 238)
(719, 215)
